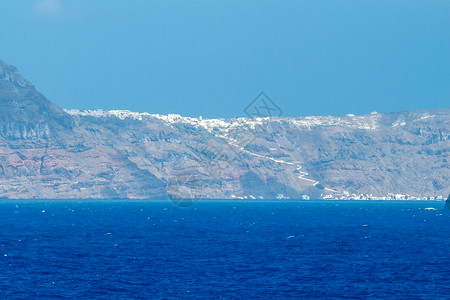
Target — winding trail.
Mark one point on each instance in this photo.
(302, 174)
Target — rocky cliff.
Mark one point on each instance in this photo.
(48, 152)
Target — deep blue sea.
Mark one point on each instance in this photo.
(155, 250)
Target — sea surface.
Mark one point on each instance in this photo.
(156, 250)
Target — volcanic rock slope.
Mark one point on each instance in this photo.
(51, 153)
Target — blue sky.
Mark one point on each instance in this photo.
(211, 58)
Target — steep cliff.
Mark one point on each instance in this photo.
(48, 152)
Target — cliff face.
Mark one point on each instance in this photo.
(24, 112)
(45, 154)
(48, 152)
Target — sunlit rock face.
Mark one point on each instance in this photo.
(48, 152)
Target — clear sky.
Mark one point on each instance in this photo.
(211, 58)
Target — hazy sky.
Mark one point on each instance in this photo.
(211, 58)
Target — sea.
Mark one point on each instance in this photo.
(224, 250)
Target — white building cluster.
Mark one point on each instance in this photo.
(391, 196)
